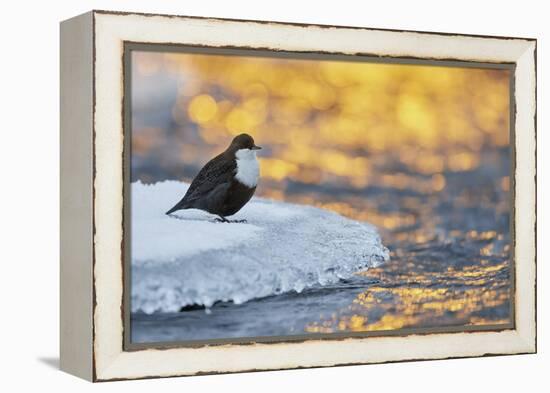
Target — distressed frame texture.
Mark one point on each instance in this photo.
(92, 192)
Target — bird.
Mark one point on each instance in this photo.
(226, 183)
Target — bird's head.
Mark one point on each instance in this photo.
(243, 142)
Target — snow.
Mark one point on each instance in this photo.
(191, 259)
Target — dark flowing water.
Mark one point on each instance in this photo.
(449, 237)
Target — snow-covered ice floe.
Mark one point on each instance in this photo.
(189, 259)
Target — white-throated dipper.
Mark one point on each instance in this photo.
(226, 183)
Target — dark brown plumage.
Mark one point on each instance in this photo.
(216, 189)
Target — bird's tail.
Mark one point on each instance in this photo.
(177, 207)
(172, 210)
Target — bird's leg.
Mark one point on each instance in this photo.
(223, 219)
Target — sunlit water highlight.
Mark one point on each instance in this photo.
(450, 266)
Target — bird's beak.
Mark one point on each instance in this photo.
(256, 148)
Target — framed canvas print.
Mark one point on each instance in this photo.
(246, 195)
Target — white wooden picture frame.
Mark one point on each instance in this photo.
(92, 195)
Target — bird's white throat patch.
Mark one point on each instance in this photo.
(248, 169)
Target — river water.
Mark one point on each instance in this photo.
(449, 238)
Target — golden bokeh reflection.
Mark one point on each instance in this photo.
(422, 152)
(325, 115)
(465, 293)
